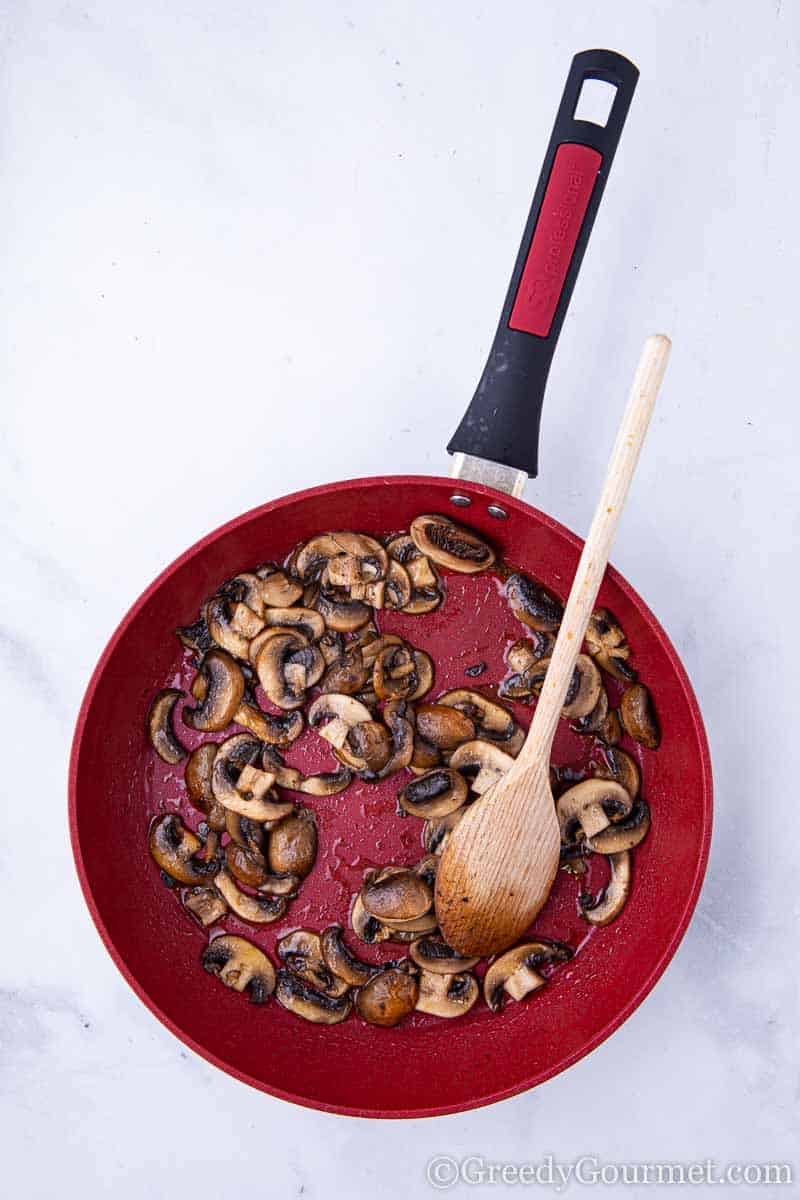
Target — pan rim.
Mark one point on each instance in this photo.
(491, 1097)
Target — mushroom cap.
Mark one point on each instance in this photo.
(533, 604)
(293, 844)
(278, 589)
(387, 997)
(516, 973)
(639, 717)
(160, 728)
(447, 995)
(588, 804)
(435, 794)
(347, 674)
(444, 726)
(396, 894)
(612, 899)
(492, 721)
(451, 545)
(620, 766)
(240, 965)
(304, 1001)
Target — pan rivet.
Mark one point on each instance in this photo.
(494, 510)
(461, 501)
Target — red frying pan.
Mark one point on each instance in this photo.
(424, 1066)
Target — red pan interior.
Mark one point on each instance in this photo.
(425, 1066)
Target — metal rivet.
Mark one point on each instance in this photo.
(494, 510)
(461, 501)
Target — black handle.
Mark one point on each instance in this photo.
(502, 422)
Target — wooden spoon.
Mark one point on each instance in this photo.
(500, 861)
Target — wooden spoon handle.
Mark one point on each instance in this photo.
(594, 559)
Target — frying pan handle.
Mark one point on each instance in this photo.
(502, 422)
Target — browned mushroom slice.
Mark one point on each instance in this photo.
(402, 673)
(447, 995)
(436, 794)
(225, 625)
(425, 756)
(240, 965)
(451, 545)
(304, 620)
(607, 646)
(527, 651)
(517, 973)
(196, 637)
(366, 927)
(220, 688)
(482, 762)
(594, 721)
(533, 604)
(312, 558)
(340, 959)
(624, 834)
(287, 665)
(610, 731)
(327, 783)
(605, 908)
(301, 953)
(399, 590)
(206, 904)
(275, 731)
(256, 910)
(434, 835)
(584, 689)
(492, 721)
(342, 614)
(244, 831)
(396, 716)
(249, 866)
(433, 954)
(368, 747)
(278, 589)
(306, 1002)
(176, 851)
(242, 787)
(388, 997)
(197, 777)
(444, 726)
(347, 674)
(334, 715)
(396, 894)
(374, 645)
(589, 807)
(638, 716)
(619, 765)
(293, 844)
(160, 729)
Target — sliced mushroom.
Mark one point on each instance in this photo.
(332, 646)
(387, 997)
(342, 614)
(435, 794)
(408, 931)
(340, 959)
(312, 558)
(276, 731)
(619, 765)
(176, 851)
(607, 646)
(277, 590)
(594, 721)
(492, 721)
(240, 965)
(399, 589)
(249, 866)
(221, 688)
(638, 716)
(434, 835)
(306, 1002)
(624, 834)
(526, 652)
(333, 715)
(327, 783)
(533, 604)
(482, 762)
(196, 637)
(160, 728)
(444, 726)
(606, 907)
(206, 904)
(447, 995)
(224, 625)
(451, 545)
(589, 807)
(517, 972)
(293, 844)
(287, 665)
(256, 910)
(402, 673)
(396, 715)
(368, 747)
(304, 620)
(434, 955)
(396, 894)
(245, 832)
(584, 689)
(347, 674)
(240, 786)
(425, 757)
(610, 732)
(301, 952)
(366, 927)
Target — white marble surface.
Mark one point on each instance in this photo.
(174, 176)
